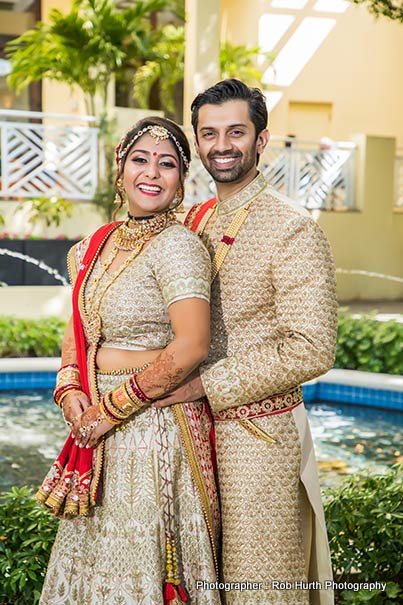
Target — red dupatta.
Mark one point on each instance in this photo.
(71, 486)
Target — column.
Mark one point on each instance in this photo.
(202, 49)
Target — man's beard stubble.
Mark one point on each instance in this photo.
(231, 175)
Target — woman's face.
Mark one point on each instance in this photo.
(151, 176)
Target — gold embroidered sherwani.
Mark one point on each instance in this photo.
(274, 327)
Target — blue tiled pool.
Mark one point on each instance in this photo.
(347, 437)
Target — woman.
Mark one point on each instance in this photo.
(141, 326)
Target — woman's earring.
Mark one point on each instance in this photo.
(120, 192)
(177, 202)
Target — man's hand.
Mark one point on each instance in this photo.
(74, 404)
(191, 390)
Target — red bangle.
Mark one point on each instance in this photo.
(137, 390)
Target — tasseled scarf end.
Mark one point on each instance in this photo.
(174, 595)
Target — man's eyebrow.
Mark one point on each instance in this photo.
(230, 126)
(161, 155)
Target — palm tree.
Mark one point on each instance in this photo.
(85, 47)
(167, 69)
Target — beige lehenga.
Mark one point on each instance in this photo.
(116, 556)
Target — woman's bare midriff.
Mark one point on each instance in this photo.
(119, 359)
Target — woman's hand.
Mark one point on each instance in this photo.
(73, 405)
(91, 426)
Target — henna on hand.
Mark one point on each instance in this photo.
(162, 376)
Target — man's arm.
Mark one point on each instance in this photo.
(303, 344)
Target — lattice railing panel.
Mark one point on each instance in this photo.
(43, 160)
(316, 177)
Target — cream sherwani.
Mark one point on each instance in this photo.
(274, 322)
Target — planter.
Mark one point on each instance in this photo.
(18, 272)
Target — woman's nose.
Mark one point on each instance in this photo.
(152, 169)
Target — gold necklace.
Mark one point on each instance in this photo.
(133, 234)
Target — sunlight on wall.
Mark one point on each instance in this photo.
(331, 6)
(271, 30)
(292, 4)
(300, 48)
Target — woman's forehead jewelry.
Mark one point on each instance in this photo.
(154, 153)
(158, 133)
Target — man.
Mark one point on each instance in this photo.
(274, 320)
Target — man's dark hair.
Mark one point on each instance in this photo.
(233, 90)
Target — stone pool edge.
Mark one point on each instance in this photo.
(342, 386)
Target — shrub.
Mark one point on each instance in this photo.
(364, 521)
(27, 532)
(362, 344)
(30, 337)
(369, 345)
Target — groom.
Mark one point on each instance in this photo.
(273, 327)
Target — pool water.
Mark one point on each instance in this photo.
(347, 438)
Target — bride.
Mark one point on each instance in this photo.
(135, 483)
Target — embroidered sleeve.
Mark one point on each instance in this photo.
(182, 265)
(303, 346)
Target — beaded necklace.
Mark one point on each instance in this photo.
(127, 239)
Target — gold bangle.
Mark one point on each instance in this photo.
(105, 415)
(63, 395)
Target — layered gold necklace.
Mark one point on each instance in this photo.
(134, 233)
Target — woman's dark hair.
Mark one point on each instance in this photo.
(176, 132)
(233, 90)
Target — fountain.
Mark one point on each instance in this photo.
(34, 261)
(370, 274)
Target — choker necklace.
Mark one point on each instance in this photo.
(133, 234)
(140, 218)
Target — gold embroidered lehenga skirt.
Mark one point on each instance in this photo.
(116, 556)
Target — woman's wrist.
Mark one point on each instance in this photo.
(67, 380)
(123, 401)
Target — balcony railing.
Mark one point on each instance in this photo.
(57, 156)
(316, 174)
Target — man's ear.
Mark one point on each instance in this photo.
(196, 145)
(262, 140)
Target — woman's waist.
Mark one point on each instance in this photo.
(124, 361)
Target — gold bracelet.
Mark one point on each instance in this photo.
(105, 415)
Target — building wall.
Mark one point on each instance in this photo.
(357, 69)
(57, 97)
(371, 238)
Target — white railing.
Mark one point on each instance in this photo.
(316, 174)
(57, 156)
(399, 180)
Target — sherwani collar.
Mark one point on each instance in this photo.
(238, 200)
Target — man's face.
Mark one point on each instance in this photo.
(226, 141)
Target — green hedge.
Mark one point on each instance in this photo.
(30, 337)
(369, 345)
(363, 515)
(363, 343)
(364, 520)
(27, 532)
